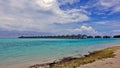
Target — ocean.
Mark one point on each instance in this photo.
(18, 52)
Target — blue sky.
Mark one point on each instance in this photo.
(57, 17)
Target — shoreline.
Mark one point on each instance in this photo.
(105, 63)
(79, 60)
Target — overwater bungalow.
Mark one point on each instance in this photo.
(106, 36)
(79, 36)
(98, 36)
(90, 37)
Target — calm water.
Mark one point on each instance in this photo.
(27, 50)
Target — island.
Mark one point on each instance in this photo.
(79, 36)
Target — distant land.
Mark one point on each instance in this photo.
(79, 36)
(15, 34)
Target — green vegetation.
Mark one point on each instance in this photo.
(76, 62)
(79, 36)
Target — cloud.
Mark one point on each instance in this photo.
(116, 31)
(114, 23)
(37, 15)
(102, 6)
(48, 16)
(63, 2)
(107, 27)
(106, 5)
(85, 29)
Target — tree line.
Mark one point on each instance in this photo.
(79, 36)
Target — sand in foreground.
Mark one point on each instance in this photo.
(106, 58)
(105, 63)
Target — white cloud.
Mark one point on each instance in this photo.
(116, 31)
(116, 9)
(106, 5)
(103, 6)
(86, 30)
(36, 15)
(110, 23)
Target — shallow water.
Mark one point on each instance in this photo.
(18, 51)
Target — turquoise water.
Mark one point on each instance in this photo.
(26, 50)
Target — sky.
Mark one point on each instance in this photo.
(59, 17)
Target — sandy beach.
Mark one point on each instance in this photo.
(105, 63)
(110, 62)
